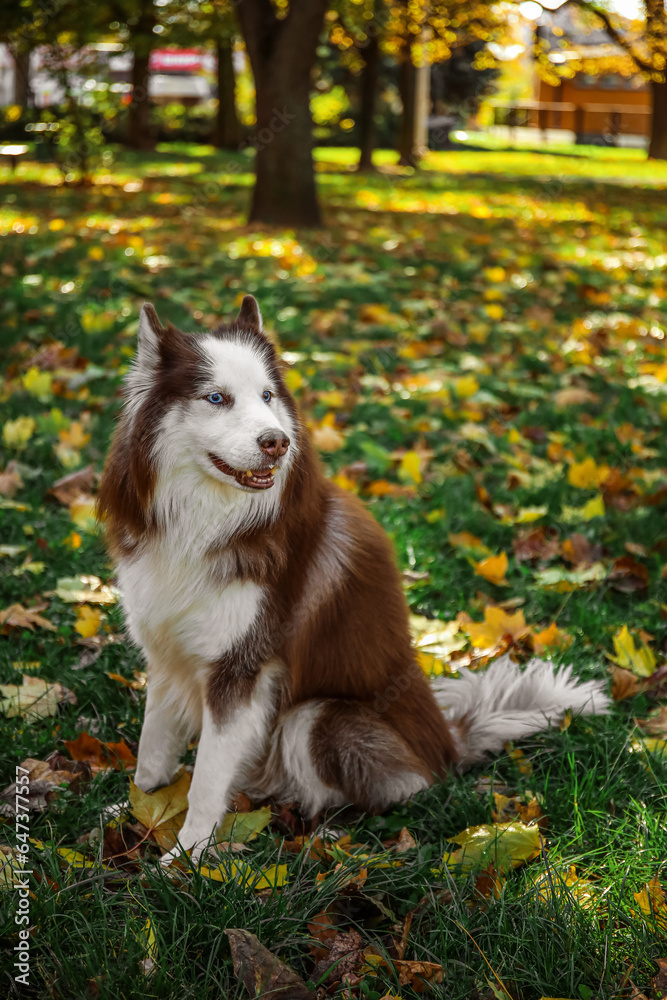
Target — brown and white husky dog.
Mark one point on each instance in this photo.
(268, 604)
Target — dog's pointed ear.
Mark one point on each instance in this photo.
(249, 314)
(150, 331)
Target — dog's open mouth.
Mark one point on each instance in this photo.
(260, 480)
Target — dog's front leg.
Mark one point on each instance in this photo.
(227, 745)
(163, 738)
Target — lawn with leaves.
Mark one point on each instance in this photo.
(480, 351)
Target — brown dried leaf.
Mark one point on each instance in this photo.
(659, 982)
(101, 756)
(343, 959)
(628, 575)
(536, 544)
(45, 778)
(322, 929)
(16, 616)
(261, 972)
(74, 486)
(10, 481)
(625, 684)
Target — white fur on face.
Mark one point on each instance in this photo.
(209, 504)
(231, 432)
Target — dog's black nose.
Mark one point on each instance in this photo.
(273, 443)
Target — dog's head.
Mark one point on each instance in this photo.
(216, 402)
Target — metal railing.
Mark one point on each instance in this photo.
(585, 120)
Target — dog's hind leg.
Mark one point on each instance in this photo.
(334, 752)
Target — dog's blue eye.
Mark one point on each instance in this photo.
(267, 396)
(216, 398)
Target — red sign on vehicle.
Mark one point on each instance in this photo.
(176, 61)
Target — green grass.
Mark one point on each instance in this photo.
(580, 239)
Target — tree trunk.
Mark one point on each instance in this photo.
(657, 149)
(407, 138)
(282, 53)
(143, 40)
(369, 84)
(139, 123)
(227, 132)
(22, 89)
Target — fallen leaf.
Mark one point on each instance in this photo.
(242, 827)
(628, 575)
(88, 621)
(74, 487)
(341, 961)
(653, 905)
(557, 887)
(410, 468)
(83, 514)
(656, 724)
(509, 808)
(625, 684)
(33, 699)
(493, 569)
(101, 756)
(46, 778)
(659, 982)
(470, 544)
(574, 397)
(325, 435)
(162, 812)
(85, 589)
(579, 551)
(588, 474)
(417, 975)
(537, 544)
(261, 972)
(550, 638)
(504, 845)
(496, 625)
(566, 580)
(149, 944)
(17, 433)
(10, 480)
(593, 508)
(639, 659)
(16, 616)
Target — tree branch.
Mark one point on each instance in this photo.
(616, 35)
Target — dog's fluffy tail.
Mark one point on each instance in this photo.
(506, 702)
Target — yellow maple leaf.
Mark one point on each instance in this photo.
(493, 569)
(38, 383)
(494, 274)
(496, 625)
(550, 638)
(466, 386)
(587, 475)
(17, 433)
(88, 621)
(652, 903)
(410, 468)
(593, 508)
(82, 513)
(74, 436)
(639, 659)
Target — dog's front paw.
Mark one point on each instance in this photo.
(148, 779)
(179, 853)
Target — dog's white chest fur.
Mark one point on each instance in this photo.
(183, 619)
